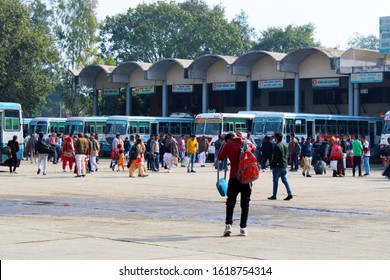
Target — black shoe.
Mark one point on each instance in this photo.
(77, 176)
(308, 175)
(303, 174)
(272, 198)
(39, 171)
(288, 197)
(193, 171)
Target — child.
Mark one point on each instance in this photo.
(121, 158)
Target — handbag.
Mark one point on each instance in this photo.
(333, 165)
(222, 184)
(302, 162)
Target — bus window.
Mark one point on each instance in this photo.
(300, 126)
(12, 121)
(320, 126)
(331, 127)
(186, 128)
(352, 127)
(363, 128)
(228, 126)
(164, 127)
(175, 128)
(343, 127)
(290, 126)
(144, 128)
(133, 127)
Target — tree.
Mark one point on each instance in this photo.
(369, 42)
(285, 40)
(151, 32)
(75, 27)
(26, 55)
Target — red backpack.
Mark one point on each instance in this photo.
(248, 168)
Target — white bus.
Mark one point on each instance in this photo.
(212, 125)
(386, 129)
(10, 125)
(46, 126)
(129, 126)
(86, 125)
(312, 125)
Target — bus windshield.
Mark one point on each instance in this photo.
(38, 127)
(74, 128)
(386, 126)
(267, 126)
(116, 127)
(208, 128)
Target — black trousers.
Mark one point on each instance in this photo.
(234, 188)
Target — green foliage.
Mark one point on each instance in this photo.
(26, 55)
(288, 39)
(369, 42)
(75, 26)
(159, 30)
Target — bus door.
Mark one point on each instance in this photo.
(153, 127)
(371, 139)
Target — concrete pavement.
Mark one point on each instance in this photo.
(180, 215)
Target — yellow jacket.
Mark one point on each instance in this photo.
(191, 146)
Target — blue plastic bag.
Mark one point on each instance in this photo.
(221, 184)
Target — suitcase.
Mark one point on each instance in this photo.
(222, 184)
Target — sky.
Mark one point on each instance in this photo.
(336, 21)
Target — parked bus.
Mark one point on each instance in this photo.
(129, 126)
(10, 125)
(86, 125)
(46, 126)
(26, 122)
(386, 129)
(213, 124)
(312, 125)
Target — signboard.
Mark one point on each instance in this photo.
(270, 84)
(110, 91)
(321, 83)
(367, 78)
(144, 90)
(384, 35)
(182, 88)
(223, 86)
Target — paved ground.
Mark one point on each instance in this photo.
(108, 215)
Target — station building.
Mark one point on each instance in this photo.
(308, 80)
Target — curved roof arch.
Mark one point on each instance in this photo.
(123, 71)
(89, 74)
(199, 67)
(357, 58)
(291, 62)
(159, 69)
(244, 64)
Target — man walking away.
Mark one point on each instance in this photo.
(279, 167)
(232, 150)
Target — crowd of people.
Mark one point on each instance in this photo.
(163, 152)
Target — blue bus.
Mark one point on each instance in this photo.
(46, 126)
(10, 125)
(312, 125)
(129, 126)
